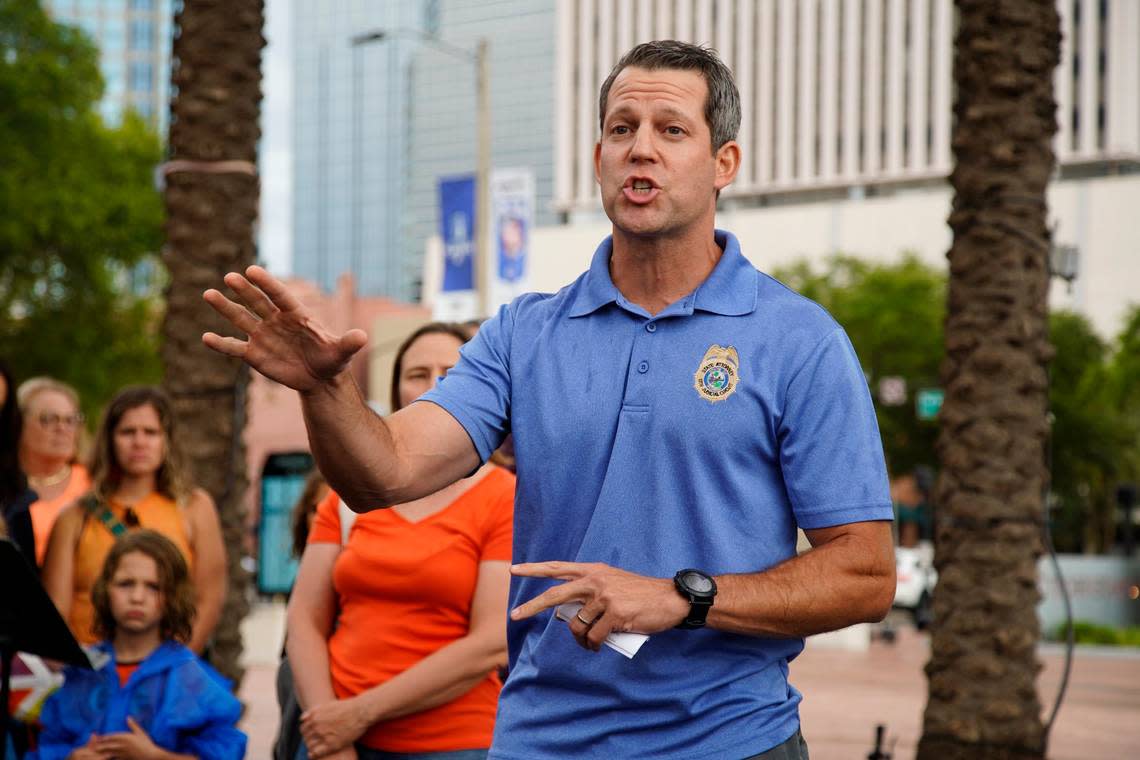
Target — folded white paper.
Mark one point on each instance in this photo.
(625, 643)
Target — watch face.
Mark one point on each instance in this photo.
(698, 583)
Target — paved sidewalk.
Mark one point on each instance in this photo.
(846, 694)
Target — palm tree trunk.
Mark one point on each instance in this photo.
(211, 205)
(983, 699)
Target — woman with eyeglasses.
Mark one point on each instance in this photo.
(49, 446)
(139, 481)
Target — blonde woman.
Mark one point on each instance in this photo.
(138, 482)
(49, 445)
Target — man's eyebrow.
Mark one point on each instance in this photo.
(669, 112)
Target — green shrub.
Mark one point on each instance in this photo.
(1086, 632)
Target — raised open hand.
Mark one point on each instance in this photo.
(285, 342)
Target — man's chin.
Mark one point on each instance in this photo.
(640, 225)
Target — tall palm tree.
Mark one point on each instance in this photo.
(211, 205)
(983, 699)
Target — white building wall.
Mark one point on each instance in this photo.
(885, 118)
(1095, 215)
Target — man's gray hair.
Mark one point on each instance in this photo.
(722, 104)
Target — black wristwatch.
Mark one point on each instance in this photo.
(700, 589)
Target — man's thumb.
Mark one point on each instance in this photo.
(135, 727)
(352, 341)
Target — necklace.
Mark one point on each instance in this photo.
(50, 480)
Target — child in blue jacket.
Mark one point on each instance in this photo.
(153, 699)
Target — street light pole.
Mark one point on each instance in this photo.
(483, 178)
(355, 256)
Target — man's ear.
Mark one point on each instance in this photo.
(598, 162)
(727, 164)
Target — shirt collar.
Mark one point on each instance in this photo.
(730, 289)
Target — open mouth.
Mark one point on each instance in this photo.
(640, 190)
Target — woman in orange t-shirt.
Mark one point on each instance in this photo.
(396, 634)
(49, 442)
(139, 482)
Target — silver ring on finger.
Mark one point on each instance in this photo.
(583, 620)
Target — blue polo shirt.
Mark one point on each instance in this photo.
(699, 437)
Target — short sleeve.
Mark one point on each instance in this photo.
(477, 390)
(499, 524)
(831, 455)
(326, 523)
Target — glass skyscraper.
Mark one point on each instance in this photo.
(133, 37)
(377, 125)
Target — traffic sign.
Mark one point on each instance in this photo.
(927, 402)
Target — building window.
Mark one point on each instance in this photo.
(142, 5)
(112, 42)
(142, 34)
(116, 81)
(142, 76)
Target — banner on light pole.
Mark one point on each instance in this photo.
(512, 221)
(457, 229)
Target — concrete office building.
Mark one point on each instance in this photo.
(846, 132)
(133, 37)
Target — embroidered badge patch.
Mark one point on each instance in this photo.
(718, 374)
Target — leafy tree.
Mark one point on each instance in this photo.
(80, 211)
(1091, 436)
(893, 314)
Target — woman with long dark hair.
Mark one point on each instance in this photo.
(139, 481)
(396, 623)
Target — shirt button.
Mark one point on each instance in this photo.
(643, 367)
(651, 327)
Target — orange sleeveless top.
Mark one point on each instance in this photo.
(44, 511)
(155, 512)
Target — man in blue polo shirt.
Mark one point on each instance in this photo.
(676, 416)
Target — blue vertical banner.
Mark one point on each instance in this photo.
(457, 230)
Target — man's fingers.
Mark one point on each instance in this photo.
(561, 570)
(227, 346)
(238, 315)
(250, 295)
(352, 341)
(273, 288)
(583, 623)
(550, 598)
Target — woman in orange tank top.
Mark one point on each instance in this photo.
(138, 482)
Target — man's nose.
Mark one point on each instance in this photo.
(644, 147)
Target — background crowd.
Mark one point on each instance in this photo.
(396, 633)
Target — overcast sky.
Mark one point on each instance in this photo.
(276, 230)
